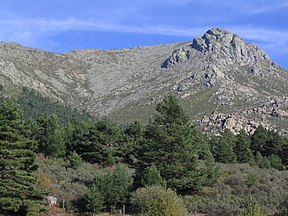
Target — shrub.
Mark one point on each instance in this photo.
(156, 201)
(252, 208)
(95, 200)
(74, 160)
(152, 177)
(251, 180)
(276, 162)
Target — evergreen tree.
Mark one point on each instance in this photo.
(259, 139)
(115, 187)
(265, 163)
(224, 147)
(274, 144)
(98, 142)
(95, 200)
(169, 145)
(276, 162)
(19, 194)
(284, 154)
(51, 136)
(74, 160)
(258, 159)
(133, 134)
(242, 149)
(201, 140)
(212, 171)
(77, 132)
(152, 177)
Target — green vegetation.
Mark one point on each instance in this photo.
(158, 201)
(35, 105)
(95, 200)
(171, 145)
(152, 177)
(19, 194)
(252, 208)
(223, 147)
(168, 166)
(115, 187)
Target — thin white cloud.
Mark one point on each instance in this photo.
(269, 36)
(30, 27)
(269, 7)
(52, 26)
(248, 7)
(164, 2)
(31, 32)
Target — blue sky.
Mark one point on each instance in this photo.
(65, 25)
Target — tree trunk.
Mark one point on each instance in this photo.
(123, 209)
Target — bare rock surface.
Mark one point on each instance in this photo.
(216, 72)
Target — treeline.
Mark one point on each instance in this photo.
(168, 152)
(34, 105)
(169, 142)
(265, 148)
(106, 143)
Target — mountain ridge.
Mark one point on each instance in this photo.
(218, 71)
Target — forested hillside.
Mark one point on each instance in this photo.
(165, 167)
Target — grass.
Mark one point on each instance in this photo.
(199, 103)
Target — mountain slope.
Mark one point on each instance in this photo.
(217, 71)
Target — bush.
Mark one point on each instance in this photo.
(156, 201)
(74, 160)
(95, 200)
(251, 180)
(276, 162)
(252, 208)
(152, 177)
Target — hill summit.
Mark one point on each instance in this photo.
(224, 81)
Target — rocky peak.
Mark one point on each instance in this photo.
(220, 47)
(227, 44)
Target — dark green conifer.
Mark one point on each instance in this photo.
(242, 149)
(170, 145)
(152, 177)
(259, 139)
(224, 147)
(19, 194)
(51, 136)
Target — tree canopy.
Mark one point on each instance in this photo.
(19, 194)
(171, 145)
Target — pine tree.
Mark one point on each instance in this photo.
(259, 139)
(115, 187)
(133, 133)
(169, 145)
(212, 171)
(51, 136)
(284, 154)
(74, 160)
(19, 194)
(242, 149)
(224, 148)
(95, 200)
(98, 143)
(152, 177)
(274, 144)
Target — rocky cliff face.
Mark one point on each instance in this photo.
(216, 72)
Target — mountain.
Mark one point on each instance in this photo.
(223, 81)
